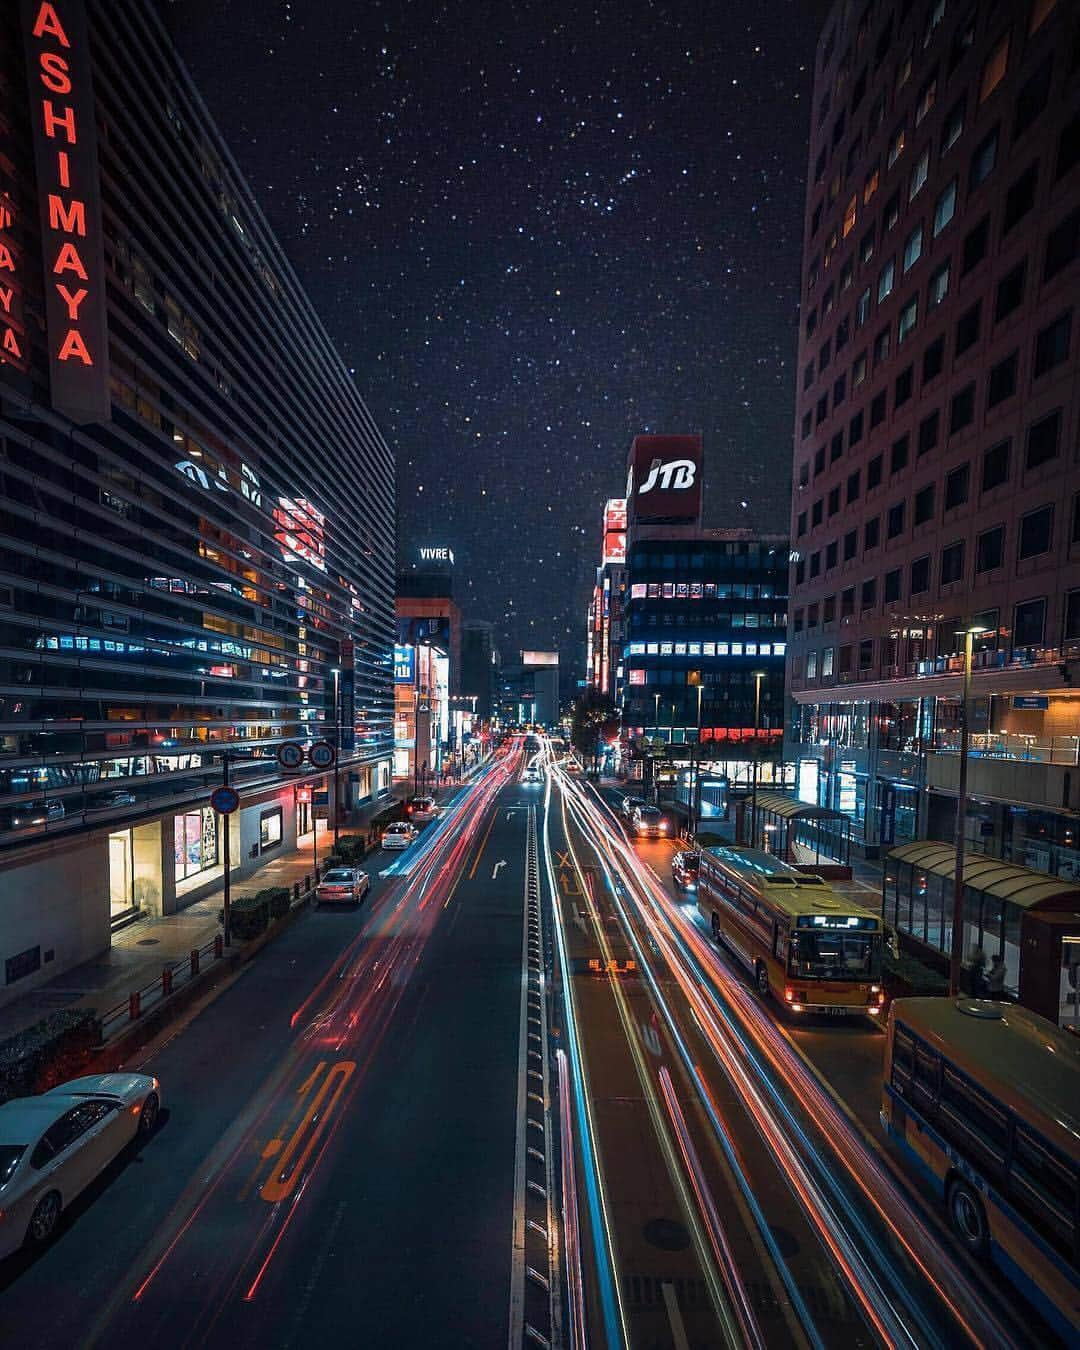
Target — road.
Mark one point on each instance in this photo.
(518, 1097)
(338, 1148)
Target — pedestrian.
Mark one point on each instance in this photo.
(995, 979)
(977, 964)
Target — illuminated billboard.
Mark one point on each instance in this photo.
(615, 531)
(663, 484)
(404, 664)
(539, 658)
(301, 531)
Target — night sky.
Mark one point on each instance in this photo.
(534, 230)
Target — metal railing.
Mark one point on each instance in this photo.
(1012, 745)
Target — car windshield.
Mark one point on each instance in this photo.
(399, 828)
(690, 861)
(836, 956)
(648, 813)
(9, 1160)
(338, 877)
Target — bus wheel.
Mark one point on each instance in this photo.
(968, 1218)
(762, 978)
(715, 923)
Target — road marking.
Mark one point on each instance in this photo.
(483, 845)
(284, 1176)
(564, 859)
(497, 868)
(569, 883)
(309, 1081)
(678, 1328)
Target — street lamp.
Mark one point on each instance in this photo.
(759, 675)
(956, 953)
(695, 764)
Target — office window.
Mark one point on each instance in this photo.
(990, 549)
(893, 583)
(807, 424)
(957, 482)
(891, 213)
(797, 620)
(1029, 623)
(995, 465)
(962, 410)
(819, 460)
(839, 390)
(1040, 12)
(920, 575)
(822, 410)
(976, 242)
(811, 665)
(1036, 533)
(903, 70)
(853, 487)
(894, 520)
(924, 504)
(928, 432)
(1072, 616)
(905, 383)
(866, 653)
(815, 219)
(913, 248)
(800, 525)
(804, 473)
(1043, 440)
(1052, 344)
(1002, 382)
(831, 553)
(858, 371)
(899, 456)
(868, 594)
(849, 218)
(886, 279)
(1010, 292)
(896, 146)
(815, 564)
(983, 159)
(952, 563)
(834, 500)
(827, 300)
(836, 447)
(994, 69)
(944, 207)
(938, 286)
(927, 98)
(881, 346)
(953, 126)
(843, 333)
(967, 328)
(851, 544)
(1031, 99)
(862, 308)
(1062, 245)
(1068, 146)
(800, 572)
(866, 246)
(919, 174)
(811, 323)
(825, 354)
(909, 317)
(871, 183)
(877, 409)
(817, 512)
(847, 602)
(963, 38)
(933, 361)
(808, 375)
(847, 275)
(1020, 198)
(874, 472)
(826, 662)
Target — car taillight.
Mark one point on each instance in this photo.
(789, 994)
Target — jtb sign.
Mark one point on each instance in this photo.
(664, 481)
(65, 157)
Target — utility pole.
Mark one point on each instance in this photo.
(956, 953)
(759, 675)
(337, 759)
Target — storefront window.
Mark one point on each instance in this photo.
(195, 842)
(269, 829)
(121, 873)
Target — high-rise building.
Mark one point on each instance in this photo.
(427, 673)
(936, 483)
(196, 507)
(479, 667)
(604, 633)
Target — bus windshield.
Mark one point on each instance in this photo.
(836, 956)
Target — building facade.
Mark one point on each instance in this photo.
(427, 674)
(936, 481)
(196, 507)
(605, 632)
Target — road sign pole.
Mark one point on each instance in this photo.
(225, 912)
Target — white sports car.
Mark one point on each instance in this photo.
(53, 1146)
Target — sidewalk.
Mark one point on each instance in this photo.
(139, 951)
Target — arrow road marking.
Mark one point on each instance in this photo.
(495, 869)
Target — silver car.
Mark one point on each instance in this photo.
(53, 1146)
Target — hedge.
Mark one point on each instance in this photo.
(277, 898)
(249, 915)
(904, 977)
(48, 1052)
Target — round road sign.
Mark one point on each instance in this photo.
(225, 800)
(290, 755)
(321, 755)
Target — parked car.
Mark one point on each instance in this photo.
(36, 813)
(399, 834)
(118, 798)
(53, 1146)
(342, 885)
(648, 822)
(422, 809)
(684, 870)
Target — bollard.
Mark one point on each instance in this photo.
(219, 946)
(194, 960)
(296, 890)
(307, 882)
(166, 981)
(134, 1005)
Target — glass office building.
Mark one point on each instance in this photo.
(196, 506)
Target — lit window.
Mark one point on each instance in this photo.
(954, 126)
(994, 70)
(909, 317)
(896, 146)
(873, 181)
(736, 649)
(1040, 9)
(913, 248)
(938, 288)
(637, 591)
(637, 676)
(926, 99)
(886, 280)
(919, 173)
(849, 218)
(945, 208)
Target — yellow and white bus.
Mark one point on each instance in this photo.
(984, 1100)
(814, 950)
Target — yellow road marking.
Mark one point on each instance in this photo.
(282, 1181)
(483, 845)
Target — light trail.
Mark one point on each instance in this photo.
(701, 975)
(571, 1232)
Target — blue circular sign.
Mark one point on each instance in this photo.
(225, 800)
(290, 755)
(321, 754)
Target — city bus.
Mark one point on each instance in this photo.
(810, 948)
(984, 1101)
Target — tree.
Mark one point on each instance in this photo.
(594, 717)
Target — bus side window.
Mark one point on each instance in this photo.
(1044, 1188)
(781, 947)
(927, 1074)
(975, 1124)
(903, 1060)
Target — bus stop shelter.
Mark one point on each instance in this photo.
(800, 832)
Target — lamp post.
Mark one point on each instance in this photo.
(695, 766)
(759, 675)
(956, 953)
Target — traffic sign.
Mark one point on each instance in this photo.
(321, 755)
(225, 800)
(290, 755)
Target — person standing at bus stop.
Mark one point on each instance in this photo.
(995, 977)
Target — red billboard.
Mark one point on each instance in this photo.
(664, 480)
(615, 531)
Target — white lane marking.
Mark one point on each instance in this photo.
(498, 866)
(517, 1249)
(678, 1329)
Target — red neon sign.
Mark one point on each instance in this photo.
(65, 156)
